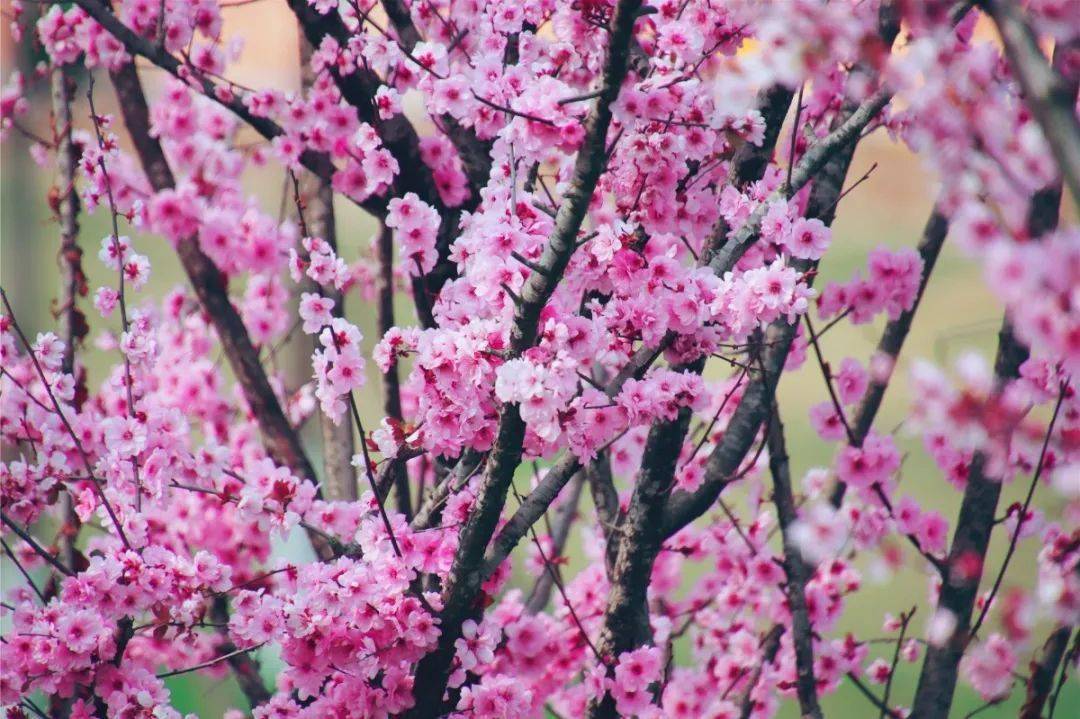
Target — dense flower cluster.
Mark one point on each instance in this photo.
(612, 247)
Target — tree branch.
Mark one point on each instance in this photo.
(826, 163)
(770, 647)
(892, 339)
(937, 680)
(280, 439)
(530, 511)
(71, 321)
(560, 534)
(798, 573)
(384, 310)
(1051, 97)
(464, 580)
(626, 617)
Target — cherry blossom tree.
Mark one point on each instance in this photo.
(588, 203)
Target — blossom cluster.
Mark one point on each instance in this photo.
(610, 220)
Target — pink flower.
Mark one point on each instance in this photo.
(637, 669)
(807, 238)
(388, 101)
(315, 312)
(826, 421)
(126, 436)
(79, 630)
(879, 671)
(988, 667)
(851, 381)
(417, 225)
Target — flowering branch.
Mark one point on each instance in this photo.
(1051, 97)
(137, 45)
(967, 555)
(892, 339)
(72, 321)
(795, 567)
(464, 580)
(281, 441)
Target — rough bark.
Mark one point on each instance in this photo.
(626, 617)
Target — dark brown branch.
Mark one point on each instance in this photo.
(384, 309)
(749, 162)
(38, 549)
(280, 439)
(400, 138)
(937, 679)
(1022, 513)
(795, 567)
(872, 698)
(1043, 668)
(530, 511)
(626, 617)
(464, 580)
(71, 321)
(1070, 659)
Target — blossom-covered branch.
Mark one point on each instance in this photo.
(598, 239)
